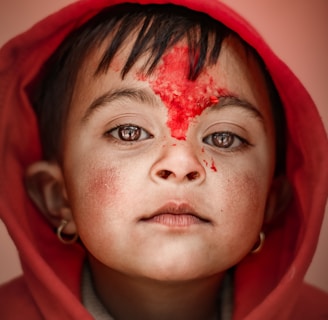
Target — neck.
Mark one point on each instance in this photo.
(128, 297)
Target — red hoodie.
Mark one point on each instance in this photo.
(268, 285)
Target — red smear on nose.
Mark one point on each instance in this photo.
(184, 99)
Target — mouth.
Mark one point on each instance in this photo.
(176, 215)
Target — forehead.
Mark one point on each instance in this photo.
(236, 74)
(240, 71)
(236, 70)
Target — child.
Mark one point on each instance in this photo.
(166, 168)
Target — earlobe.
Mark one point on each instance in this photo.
(45, 186)
(278, 199)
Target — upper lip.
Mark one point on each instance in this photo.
(176, 208)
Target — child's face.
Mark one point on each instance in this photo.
(163, 180)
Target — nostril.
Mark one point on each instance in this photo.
(164, 174)
(193, 175)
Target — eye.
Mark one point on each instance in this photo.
(225, 140)
(129, 132)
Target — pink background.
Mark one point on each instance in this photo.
(295, 29)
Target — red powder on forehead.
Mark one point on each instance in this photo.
(183, 98)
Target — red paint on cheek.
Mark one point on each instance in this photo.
(183, 98)
(213, 166)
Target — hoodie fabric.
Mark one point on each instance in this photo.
(268, 285)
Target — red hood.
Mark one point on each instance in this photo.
(266, 283)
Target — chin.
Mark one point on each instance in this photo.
(180, 270)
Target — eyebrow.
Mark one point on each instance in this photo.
(226, 101)
(133, 94)
(144, 96)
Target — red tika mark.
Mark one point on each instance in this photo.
(213, 99)
(183, 98)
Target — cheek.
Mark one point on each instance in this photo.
(93, 193)
(95, 201)
(245, 203)
(101, 183)
(242, 215)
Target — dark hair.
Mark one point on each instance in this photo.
(157, 28)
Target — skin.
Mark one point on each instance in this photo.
(164, 216)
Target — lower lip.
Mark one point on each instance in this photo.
(175, 220)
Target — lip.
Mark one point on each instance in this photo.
(175, 214)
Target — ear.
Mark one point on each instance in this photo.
(278, 200)
(45, 186)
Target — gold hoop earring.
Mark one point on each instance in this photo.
(259, 244)
(62, 239)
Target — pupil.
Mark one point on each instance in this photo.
(129, 133)
(222, 139)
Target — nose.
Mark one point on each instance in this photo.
(178, 163)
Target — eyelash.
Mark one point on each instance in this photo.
(228, 146)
